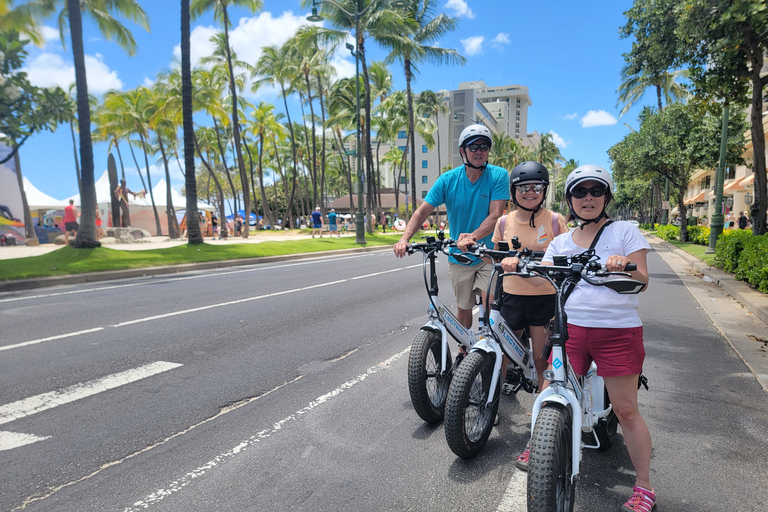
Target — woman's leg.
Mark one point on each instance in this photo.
(623, 393)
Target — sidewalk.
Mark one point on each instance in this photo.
(162, 242)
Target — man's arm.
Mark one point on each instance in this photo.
(486, 227)
(421, 213)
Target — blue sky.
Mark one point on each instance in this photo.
(567, 53)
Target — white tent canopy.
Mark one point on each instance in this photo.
(104, 194)
(38, 200)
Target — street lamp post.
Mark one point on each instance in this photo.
(355, 17)
(717, 219)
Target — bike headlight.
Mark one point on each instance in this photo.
(549, 375)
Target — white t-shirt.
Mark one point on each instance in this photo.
(598, 306)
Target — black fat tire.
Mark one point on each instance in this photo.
(550, 466)
(606, 427)
(427, 384)
(468, 419)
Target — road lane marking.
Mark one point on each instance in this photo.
(514, 499)
(45, 401)
(178, 484)
(11, 440)
(207, 275)
(51, 338)
(202, 308)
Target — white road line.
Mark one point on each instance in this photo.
(514, 499)
(202, 308)
(159, 281)
(179, 483)
(51, 338)
(45, 401)
(11, 440)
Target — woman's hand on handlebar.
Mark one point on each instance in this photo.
(510, 264)
(400, 248)
(616, 263)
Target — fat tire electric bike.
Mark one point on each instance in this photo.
(431, 367)
(573, 412)
(474, 392)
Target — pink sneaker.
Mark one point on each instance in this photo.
(642, 500)
(522, 459)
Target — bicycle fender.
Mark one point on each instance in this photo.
(491, 347)
(566, 399)
(439, 328)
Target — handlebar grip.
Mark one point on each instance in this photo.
(630, 267)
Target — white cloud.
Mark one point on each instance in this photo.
(571, 117)
(500, 40)
(473, 45)
(49, 33)
(460, 8)
(558, 140)
(50, 70)
(248, 38)
(597, 118)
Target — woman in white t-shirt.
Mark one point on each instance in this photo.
(523, 304)
(605, 326)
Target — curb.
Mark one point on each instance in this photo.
(93, 277)
(755, 301)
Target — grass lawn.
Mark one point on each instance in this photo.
(67, 260)
(696, 250)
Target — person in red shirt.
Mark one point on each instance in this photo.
(70, 221)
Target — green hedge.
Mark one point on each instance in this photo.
(699, 234)
(745, 255)
(668, 232)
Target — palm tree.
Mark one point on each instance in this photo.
(273, 67)
(414, 47)
(132, 112)
(194, 235)
(198, 7)
(111, 28)
(667, 84)
(548, 153)
(430, 104)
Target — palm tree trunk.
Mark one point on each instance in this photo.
(314, 146)
(29, 228)
(236, 125)
(136, 163)
(267, 209)
(173, 225)
(194, 235)
(312, 176)
(219, 189)
(223, 154)
(149, 182)
(77, 162)
(371, 199)
(322, 154)
(289, 204)
(86, 236)
(409, 97)
(253, 185)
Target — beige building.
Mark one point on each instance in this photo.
(503, 109)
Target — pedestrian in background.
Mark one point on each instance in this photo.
(70, 221)
(317, 222)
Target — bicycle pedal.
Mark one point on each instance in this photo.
(508, 389)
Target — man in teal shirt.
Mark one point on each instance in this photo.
(475, 196)
(332, 226)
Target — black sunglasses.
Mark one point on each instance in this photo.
(581, 192)
(482, 147)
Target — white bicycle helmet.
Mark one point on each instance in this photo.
(584, 173)
(588, 172)
(473, 132)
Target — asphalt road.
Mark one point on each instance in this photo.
(283, 387)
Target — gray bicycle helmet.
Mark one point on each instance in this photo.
(585, 173)
(525, 172)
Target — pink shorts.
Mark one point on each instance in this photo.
(616, 352)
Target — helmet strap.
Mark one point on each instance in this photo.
(465, 160)
(584, 222)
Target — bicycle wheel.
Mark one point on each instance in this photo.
(427, 384)
(550, 463)
(606, 427)
(468, 418)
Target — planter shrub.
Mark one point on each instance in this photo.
(753, 262)
(730, 244)
(668, 232)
